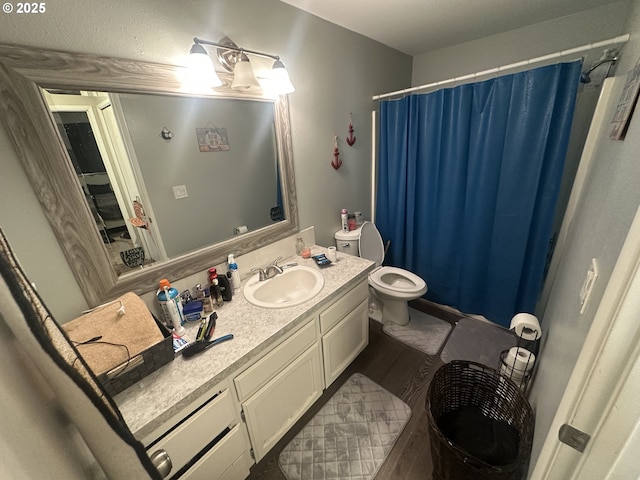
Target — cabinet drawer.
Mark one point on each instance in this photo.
(239, 469)
(345, 341)
(343, 306)
(194, 433)
(256, 376)
(229, 455)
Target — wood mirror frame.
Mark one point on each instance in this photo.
(32, 131)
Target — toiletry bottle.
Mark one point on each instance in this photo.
(299, 246)
(235, 273)
(207, 302)
(351, 221)
(171, 306)
(214, 289)
(344, 217)
(224, 282)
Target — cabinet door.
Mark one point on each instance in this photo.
(342, 344)
(281, 402)
(259, 374)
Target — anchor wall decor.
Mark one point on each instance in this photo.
(350, 139)
(336, 162)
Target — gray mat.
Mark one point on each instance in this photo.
(350, 437)
(424, 332)
(477, 341)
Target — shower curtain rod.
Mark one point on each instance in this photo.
(563, 53)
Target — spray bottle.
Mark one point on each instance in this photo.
(344, 217)
(232, 267)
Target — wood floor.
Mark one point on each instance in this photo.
(403, 371)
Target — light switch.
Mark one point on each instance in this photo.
(180, 191)
(587, 286)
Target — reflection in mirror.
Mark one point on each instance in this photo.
(98, 188)
(63, 187)
(155, 196)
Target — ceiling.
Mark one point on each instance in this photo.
(419, 26)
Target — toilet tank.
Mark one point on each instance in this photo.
(347, 242)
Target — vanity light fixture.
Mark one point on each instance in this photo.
(243, 76)
(201, 67)
(236, 60)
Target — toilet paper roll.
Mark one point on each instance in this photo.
(511, 373)
(241, 229)
(518, 361)
(526, 326)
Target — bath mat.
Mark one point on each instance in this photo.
(350, 437)
(477, 341)
(424, 332)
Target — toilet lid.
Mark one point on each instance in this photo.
(371, 246)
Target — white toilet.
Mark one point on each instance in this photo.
(393, 286)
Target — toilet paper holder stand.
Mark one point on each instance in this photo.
(518, 363)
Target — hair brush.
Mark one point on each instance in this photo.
(197, 347)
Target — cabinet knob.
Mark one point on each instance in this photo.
(162, 461)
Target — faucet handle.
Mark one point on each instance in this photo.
(275, 262)
(262, 276)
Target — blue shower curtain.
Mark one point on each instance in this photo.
(468, 180)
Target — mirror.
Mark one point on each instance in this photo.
(157, 193)
(25, 72)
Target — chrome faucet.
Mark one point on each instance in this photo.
(270, 271)
(273, 269)
(262, 275)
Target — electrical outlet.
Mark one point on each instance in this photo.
(587, 286)
(180, 191)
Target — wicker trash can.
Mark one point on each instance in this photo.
(480, 424)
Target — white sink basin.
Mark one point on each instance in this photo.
(292, 287)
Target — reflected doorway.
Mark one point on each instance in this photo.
(108, 199)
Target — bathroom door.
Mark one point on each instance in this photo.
(603, 393)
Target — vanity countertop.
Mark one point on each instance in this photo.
(147, 404)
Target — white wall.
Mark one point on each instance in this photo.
(335, 72)
(536, 40)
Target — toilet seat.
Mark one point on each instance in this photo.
(394, 287)
(397, 282)
(392, 281)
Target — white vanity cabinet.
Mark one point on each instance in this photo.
(345, 331)
(277, 389)
(206, 441)
(248, 412)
